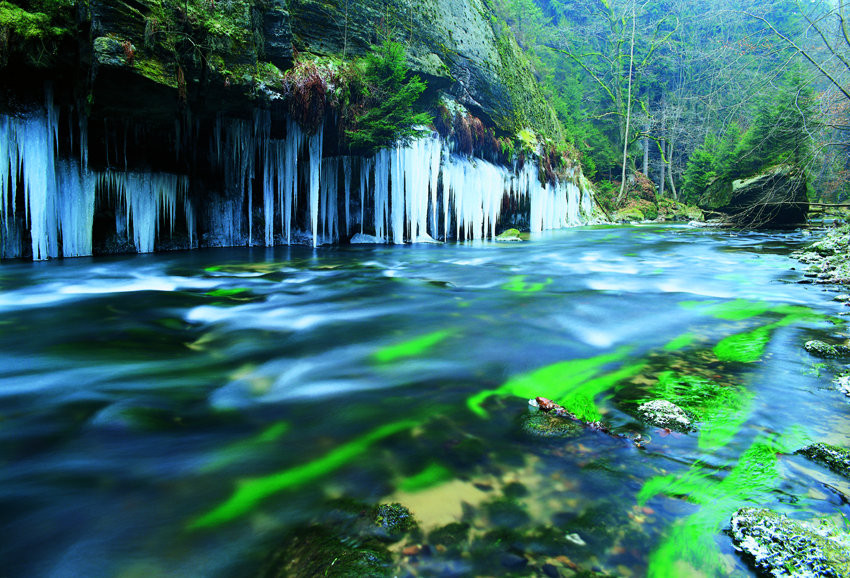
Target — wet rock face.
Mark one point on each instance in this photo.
(773, 198)
(451, 43)
(833, 457)
(780, 546)
(662, 413)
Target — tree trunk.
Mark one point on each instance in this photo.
(663, 166)
(622, 194)
(670, 175)
(646, 153)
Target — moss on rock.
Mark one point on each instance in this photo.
(320, 551)
(780, 547)
(546, 425)
(833, 457)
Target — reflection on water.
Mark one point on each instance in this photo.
(176, 414)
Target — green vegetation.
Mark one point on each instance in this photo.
(388, 94)
(250, 492)
(34, 28)
(413, 347)
(574, 384)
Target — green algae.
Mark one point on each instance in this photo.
(251, 491)
(680, 342)
(517, 284)
(238, 451)
(690, 543)
(743, 347)
(412, 347)
(433, 475)
(227, 292)
(573, 384)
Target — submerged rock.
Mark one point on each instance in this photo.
(321, 551)
(662, 413)
(780, 546)
(511, 235)
(393, 521)
(835, 458)
(843, 383)
(547, 425)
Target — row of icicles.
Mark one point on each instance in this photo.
(400, 185)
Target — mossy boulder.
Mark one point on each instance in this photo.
(773, 197)
(511, 235)
(629, 215)
(781, 547)
(547, 425)
(111, 51)
(671, 210)
(822, 349)
(665, 414)
(833, 457)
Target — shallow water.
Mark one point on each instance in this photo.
(175, 414)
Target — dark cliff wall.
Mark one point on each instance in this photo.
(153, 59)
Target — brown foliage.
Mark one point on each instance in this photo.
(306, 94)
(443, 121)
(129, 51)
(463, 134)
(642, 187)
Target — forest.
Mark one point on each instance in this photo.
(687, 92)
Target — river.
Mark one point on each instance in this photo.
(177, 413)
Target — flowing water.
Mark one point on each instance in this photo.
(176, 414)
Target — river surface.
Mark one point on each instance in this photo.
(177, 414)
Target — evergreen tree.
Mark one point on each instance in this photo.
(387, 116)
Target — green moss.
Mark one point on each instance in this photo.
(835, 458)
(157, 71)
(323, 551)
(546, 425)
(36, 30)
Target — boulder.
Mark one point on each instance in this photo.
(833, 457)
(662, 413)
(781, 547)
(821, 349)
(511, 235)
(776, 197)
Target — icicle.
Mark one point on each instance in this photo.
(382, 192)
(328, 205)
(346, 169)
(315, 149)
(76, 209)
(288, 191)
(434, 171)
